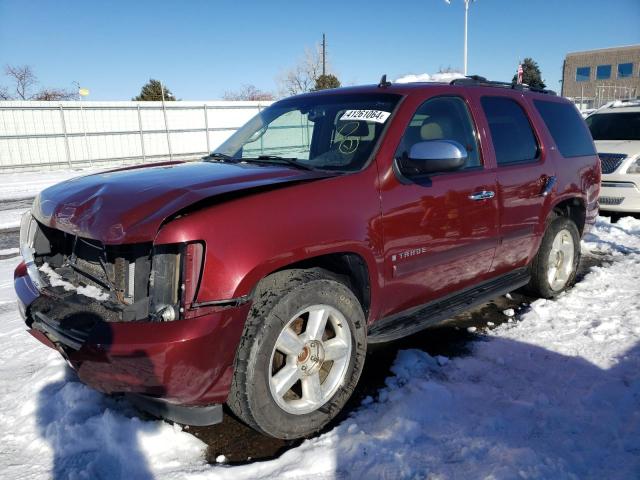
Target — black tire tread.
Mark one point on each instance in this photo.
(267, 294)
(538, 285)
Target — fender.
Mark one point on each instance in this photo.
(248, 238)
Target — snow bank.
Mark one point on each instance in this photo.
(555, 394)
(426, 77)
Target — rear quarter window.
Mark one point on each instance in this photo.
(567, 128)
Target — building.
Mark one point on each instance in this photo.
(595, 77)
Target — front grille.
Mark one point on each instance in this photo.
(121, 271)
(611, 161)
(610, 200)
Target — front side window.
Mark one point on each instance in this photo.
(511, 133)
(442, 118)
(583, 74)
(614, 126)
(603, 72)
(625, 70)
(327, 132)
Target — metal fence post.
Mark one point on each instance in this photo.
(144, 156)
(84, 128)
(166, 124)
(66, 138)
(206, 128)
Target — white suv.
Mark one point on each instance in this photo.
(616, 131)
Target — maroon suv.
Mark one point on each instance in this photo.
(257, 276)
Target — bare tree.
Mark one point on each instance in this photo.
(24, 80)
(52, 94)
(248, 92)
(302, 77)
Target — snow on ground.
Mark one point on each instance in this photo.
(25, 185)
(10, 219)
(554, 394)
(429, 77)
(28, 184)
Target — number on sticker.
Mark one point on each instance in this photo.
(377, 116)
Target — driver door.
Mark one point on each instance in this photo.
(440, 233)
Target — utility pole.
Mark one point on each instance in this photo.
(324, 55)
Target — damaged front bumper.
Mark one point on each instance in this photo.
(180, 370)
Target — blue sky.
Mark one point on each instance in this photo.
(200, 49)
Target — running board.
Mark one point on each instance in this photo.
(418, 318)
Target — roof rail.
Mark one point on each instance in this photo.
(482, 81)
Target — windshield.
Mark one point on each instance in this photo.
(615, 126)
(329, 132)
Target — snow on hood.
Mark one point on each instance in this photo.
(426, 77)
(130, 205)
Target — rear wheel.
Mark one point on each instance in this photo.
(301, 354)
(554, 267)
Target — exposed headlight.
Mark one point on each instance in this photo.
(174, 280)
(634, 167)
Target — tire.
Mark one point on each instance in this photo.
(554, 267)
(287, 317)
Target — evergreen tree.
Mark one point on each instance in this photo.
(326, 81)
(151, 91)
(531, 74)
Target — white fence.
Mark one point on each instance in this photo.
(80, 134)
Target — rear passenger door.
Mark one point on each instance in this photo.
(523, 172)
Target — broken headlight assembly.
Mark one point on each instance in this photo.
(176, 271)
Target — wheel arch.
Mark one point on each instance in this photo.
(573, 208)
(349, 265)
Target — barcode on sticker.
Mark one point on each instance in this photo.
(377, 116)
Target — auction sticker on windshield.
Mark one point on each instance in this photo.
(377, 116)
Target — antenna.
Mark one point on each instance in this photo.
(383, 82)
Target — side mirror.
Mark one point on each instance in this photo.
(434, 156)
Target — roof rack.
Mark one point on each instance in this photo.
(477, 80)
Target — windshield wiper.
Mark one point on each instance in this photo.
(275, 159)
(221, 157)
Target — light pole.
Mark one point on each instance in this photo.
(466, 22)
(83, 92)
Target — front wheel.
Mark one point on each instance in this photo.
(554, 267)
(301, 354)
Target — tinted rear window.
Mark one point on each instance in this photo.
(567, 128)
(615, 126)
(511, 134)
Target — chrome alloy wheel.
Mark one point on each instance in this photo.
(310, 359)
(561, 256)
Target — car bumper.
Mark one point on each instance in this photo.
(619, 194)
(174, 365)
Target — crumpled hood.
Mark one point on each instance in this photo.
(130, 205)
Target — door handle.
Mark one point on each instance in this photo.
(483, 195)
(549, 183)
